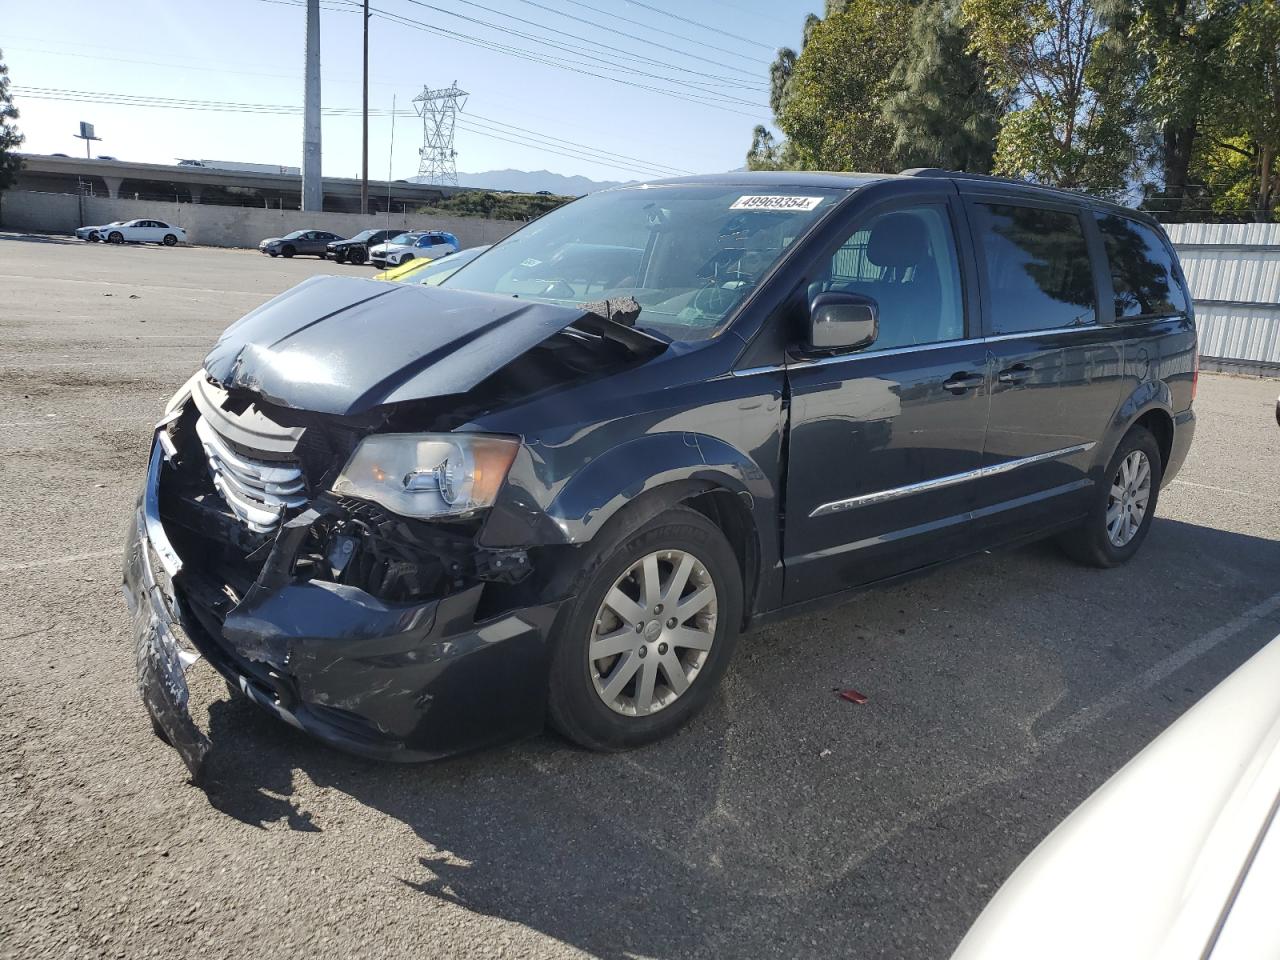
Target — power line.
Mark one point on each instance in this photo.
(664, 169)
(587, 51)
(670, 33)
(704, 97)
(622, 33)
(703, 26)
(528, 139)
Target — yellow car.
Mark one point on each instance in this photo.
(430, 272)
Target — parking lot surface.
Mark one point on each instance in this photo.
(783, 822)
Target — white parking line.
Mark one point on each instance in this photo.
(1159, 672)
(1209, 486)
(59, 561)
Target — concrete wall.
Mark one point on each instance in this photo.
(1233, 270)
(217, 226)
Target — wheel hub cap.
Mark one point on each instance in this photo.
(652, 633)
(1127, 501)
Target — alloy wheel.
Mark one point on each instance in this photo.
(1128, 499)
(652, 633)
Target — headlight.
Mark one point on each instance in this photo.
(428, 475)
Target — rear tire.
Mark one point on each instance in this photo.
(583, 703)
(170, 240)
(1124, 504)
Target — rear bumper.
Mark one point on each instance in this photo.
(1184, 431)
(404, 682)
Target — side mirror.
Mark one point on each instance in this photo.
(843, 321)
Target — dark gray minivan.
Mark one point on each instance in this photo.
(416, 520)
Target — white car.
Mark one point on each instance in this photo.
(135, 231)
(1176, 857)
(417, 245)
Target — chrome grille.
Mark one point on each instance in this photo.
(257, 491)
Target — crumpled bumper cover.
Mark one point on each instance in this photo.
(405, 682)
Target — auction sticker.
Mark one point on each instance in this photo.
(776, 203)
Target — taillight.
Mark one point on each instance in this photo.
(1195, 373)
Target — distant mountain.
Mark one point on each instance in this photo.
(531, 181)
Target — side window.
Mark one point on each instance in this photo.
(1142, 274)
(906, 261)
(1038, 272)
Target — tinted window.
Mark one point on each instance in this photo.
(1037, 266)
(906, 261)
(1141, 270)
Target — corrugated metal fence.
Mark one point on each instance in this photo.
(1234, 273)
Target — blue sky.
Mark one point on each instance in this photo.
(250, 51)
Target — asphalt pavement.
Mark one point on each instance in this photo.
(783, 822)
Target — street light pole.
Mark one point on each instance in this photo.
(364, 148)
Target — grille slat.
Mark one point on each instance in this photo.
(258, 491)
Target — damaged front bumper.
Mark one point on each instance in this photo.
(395, 681)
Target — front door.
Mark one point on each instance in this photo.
(884, 442)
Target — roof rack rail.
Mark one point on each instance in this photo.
(939, 172)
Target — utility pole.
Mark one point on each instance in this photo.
(312, 189)
(364, 141)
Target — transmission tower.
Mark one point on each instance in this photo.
(439, 111)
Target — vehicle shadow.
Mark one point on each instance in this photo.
(786, 821)
(37, 238)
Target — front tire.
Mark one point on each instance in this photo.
(1123, 505)
(115, 237)
(288, 252)
(641, 647)
(357, 256)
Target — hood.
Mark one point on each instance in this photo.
(269, 240)
(344, 345)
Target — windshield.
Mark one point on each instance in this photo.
(364, 235)
(404, 238)
(689, 253)
(295, 235)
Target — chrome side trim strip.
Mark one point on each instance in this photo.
(951, 480)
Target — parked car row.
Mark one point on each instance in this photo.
(134, 231)
(385, 248)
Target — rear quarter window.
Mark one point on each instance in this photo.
(1143, 278)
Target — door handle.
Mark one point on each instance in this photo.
(1018, 373)
(962, 381)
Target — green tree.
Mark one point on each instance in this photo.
(1247, 97)
(10, 138)
(1069, 124)
(765, 152)
(1174, 51)
(941, 111)
(833, 113)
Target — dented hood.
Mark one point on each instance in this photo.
(343, 345)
